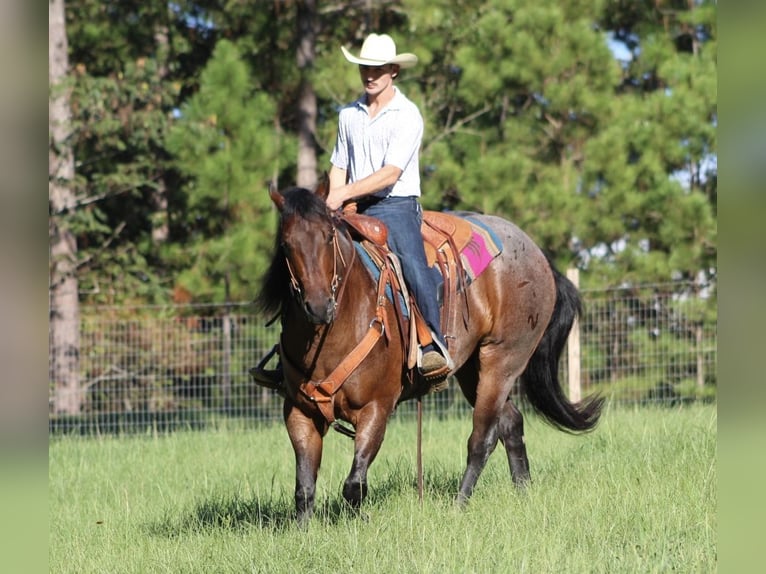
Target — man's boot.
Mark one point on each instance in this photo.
(436, 365)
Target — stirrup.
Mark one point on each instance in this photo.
(269, 378)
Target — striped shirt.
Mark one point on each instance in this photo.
(392, 137)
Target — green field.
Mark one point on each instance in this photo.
(637, 495)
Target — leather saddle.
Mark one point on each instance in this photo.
(444, 237)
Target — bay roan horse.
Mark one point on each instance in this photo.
(520, 311)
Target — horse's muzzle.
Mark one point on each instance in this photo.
(321, 314)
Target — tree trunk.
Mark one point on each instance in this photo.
(160, 220)
(307, 101)
(64, 327)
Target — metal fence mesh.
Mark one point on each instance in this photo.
(165, 367)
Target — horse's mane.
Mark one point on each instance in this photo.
(275, 283)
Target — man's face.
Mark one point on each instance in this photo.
(377, 79)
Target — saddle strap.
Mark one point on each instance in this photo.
(322, 393)
(410, 349)
(451, 267)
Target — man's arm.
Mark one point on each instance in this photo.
(337, 177)
(340, 192)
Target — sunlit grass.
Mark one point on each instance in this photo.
(637, 495)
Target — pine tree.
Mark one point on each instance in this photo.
(649, 182)
(530, 116)
(226, 145)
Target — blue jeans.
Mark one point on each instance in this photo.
(403, 217)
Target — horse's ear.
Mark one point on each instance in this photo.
(277, 198)
(323, 187)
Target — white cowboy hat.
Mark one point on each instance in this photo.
(379, 50)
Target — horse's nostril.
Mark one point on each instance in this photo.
(320, 314)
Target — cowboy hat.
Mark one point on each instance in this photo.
(379, 50)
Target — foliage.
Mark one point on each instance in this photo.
(226, 145)
(184, 111)
(124, 88)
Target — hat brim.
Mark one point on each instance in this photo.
(405, 60)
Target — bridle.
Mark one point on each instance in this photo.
(338, 282)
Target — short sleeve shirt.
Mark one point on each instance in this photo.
(392, 137)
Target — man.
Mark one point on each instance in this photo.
(375, 163)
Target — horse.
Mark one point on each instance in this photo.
(520, 311)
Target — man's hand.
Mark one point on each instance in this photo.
(337, 197)
(377, 181)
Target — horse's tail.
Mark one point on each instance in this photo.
(540, 381)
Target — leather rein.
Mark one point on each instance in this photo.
(322, 393)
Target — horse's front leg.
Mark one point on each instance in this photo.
(370, 430)
(306, 437)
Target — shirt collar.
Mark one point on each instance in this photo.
(394, 104)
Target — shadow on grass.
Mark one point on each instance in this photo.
(240, 514)
(228, 514)
(438, 484)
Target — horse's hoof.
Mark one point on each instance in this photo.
(461, 501)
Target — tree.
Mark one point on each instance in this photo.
(307, 101)
(523, 86)
(650, 184)
(606, 164)
(528, 115)
(124, 76)
(226, 145)
(64, 303)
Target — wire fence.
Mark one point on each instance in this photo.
(187, 366)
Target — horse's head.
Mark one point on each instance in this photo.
(308, 239)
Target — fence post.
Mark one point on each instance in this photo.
(573, 347)
(226, 367)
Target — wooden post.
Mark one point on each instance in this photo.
(573, 347)
(420, 450)
(698, 336)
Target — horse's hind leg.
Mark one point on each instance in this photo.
(498, 369)
(511, 431)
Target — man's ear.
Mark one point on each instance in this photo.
(323, 187)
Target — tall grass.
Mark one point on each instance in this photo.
(637, 495)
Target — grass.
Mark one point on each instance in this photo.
(637, 495)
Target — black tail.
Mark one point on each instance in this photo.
(540, 380)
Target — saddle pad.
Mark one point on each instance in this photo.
(483, 247)
(374, 270)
